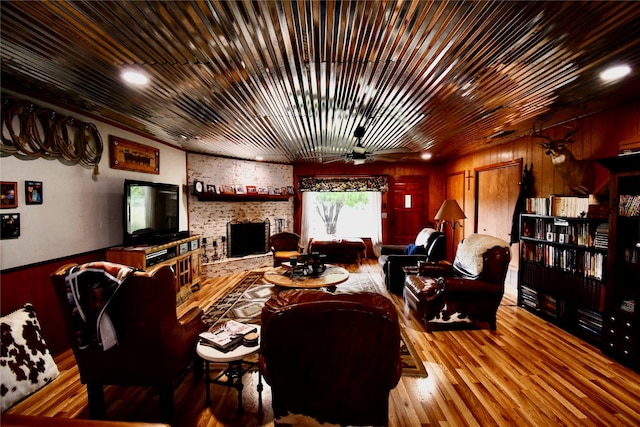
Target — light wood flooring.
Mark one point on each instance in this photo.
(527, 373)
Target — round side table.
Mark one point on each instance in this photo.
(237, 367)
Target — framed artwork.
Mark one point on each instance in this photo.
(8, 194)
(290, 189)
(283, 191)
(262, 190)
(198, 186)
(251, 189)
(131, 156)
(228, 189)
(211, 188)
(33, 192)
(239, 189)
(270, 190)
(10, 226)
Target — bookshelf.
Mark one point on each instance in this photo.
(621, 334)
(562, 271)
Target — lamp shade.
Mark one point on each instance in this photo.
(450, 211)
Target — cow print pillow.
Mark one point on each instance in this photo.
(26, 365)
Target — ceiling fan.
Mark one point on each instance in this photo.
(359, 154)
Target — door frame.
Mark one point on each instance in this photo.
(476, 171)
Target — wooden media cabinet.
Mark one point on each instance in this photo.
(182, 255)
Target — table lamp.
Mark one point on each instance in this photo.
(450, 211)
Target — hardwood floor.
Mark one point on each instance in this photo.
(527, 373)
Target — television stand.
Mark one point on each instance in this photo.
(183, 255)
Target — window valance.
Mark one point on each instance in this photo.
(363, 183)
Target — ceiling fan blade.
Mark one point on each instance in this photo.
(392, 151)
(333, 160)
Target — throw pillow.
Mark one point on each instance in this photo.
(410, 248)
(26, 365)
(417, 250)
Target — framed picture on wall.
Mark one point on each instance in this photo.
(211, 188)
(8, 194)
(262, 190)
(251, 189)
(132, 156)
(228, 189)
(10, 226)
(239, 189)
(33, 192)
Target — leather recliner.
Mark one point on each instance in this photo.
(332, 357)
(431, 247)
(154, 346)
(471, 288)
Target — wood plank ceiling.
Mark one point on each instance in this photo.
(291, 80)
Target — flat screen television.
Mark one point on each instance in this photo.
(151, 212)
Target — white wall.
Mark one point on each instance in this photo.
(79, 213)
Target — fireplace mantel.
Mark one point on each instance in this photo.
(215, 197)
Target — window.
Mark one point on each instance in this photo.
(334, 215)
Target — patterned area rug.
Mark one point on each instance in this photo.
(245, 301)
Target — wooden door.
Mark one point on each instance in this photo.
(455, 191)
(409, 196)
(497, 191)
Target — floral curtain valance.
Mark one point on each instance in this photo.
(365, 183)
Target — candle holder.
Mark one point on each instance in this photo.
(307, 266)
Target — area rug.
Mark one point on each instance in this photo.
(245, 301)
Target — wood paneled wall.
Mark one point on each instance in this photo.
(601, 135)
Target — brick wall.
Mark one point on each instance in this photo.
(210, 219)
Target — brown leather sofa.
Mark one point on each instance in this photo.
(345, 250)
(154, 346)
(332, 357)
(441, 291)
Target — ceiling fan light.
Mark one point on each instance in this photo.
(358, 162)
(359, 149)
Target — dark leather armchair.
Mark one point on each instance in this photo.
(333, 357)
(154, 346)
(471, 288)
(284, 246)
(430, 245)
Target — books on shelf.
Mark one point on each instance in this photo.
(557, 205)
(629, 205)
(227, 335)
(588, 264)
(602, 236)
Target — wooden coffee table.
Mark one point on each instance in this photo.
(332, 276)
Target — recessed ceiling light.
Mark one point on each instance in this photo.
(259, 158)
(425, 156)
(615, 73)
(135, 77)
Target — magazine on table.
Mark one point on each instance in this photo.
(226, 335)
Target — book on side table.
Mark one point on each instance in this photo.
(227, 335)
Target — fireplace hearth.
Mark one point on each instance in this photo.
(247, 238)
